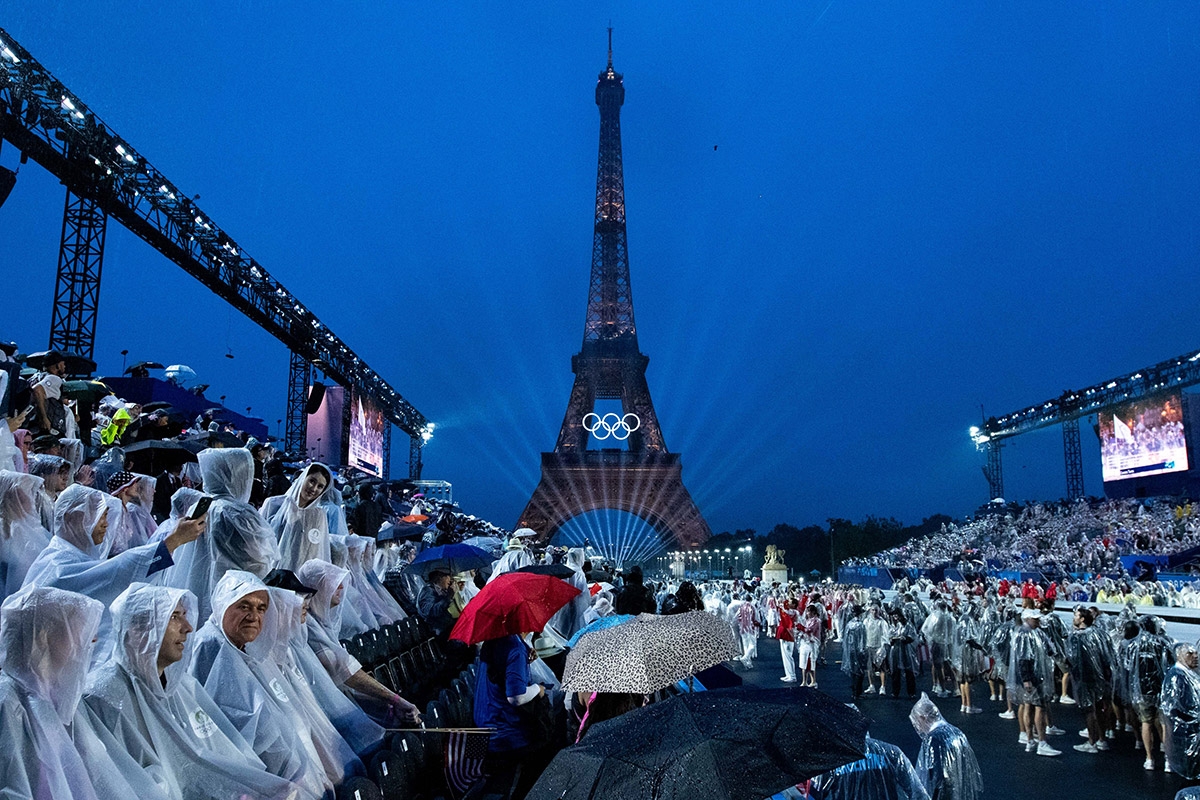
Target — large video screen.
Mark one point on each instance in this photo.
(1143, 438)
(366, 436)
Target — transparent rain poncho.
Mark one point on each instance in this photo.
(71, 561)
(325, 619)
(1148, 659)
(884, 773)
(1030, 661)
(303, 533)
(356, 617)
(176, 575)
(250, 691)
(359, 559)
(130, 524)
(281, 625)
(332, 503)
(511, 561)
(370, 605)
(43, 466)
(901, 647)
(174, 731)
(855, 658)
(22, 536)
(51, 750)
(1091, 667)
(358, 729)
(568, 620)
(938, 630)
(967, 656)
(946, 764)
(237, 537)
(1181, 717)
(373, 581)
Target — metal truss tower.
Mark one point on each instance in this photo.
(295, 431)
(54, 127)
(645, 480)
(1073, 457)
(77, 287)
(994, 471)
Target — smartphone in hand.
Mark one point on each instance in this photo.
(200, 507)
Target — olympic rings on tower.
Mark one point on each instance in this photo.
(610, 424)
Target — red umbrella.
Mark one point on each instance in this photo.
(411, 518)
(515, 602)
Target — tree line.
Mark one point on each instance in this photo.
(808, 548)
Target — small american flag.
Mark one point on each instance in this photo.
(465, 752)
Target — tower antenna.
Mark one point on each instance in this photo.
(610, 47)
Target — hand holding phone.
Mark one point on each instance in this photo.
(200, 507)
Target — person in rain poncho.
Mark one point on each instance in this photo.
(379, 610)
(22, 536)
(946, 764)
(375, 583)
(247, 686)
(877, 630)
(1091, 675)
(938, 630)
(77, 557)
(334, 506)
(856, 661)
(55, 473)
(884, 773)
(161, 716)
(130, 523)
(324, 631)
(515, 556)
(281, 623)
(967, 656)
(1181, 713)
(1149, 658)
(299, 520)
(1031, 682)
(238, 538)
(362, 733)
(901, 654)
(52, 750)
(569, 619)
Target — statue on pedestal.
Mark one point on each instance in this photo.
(774, 556)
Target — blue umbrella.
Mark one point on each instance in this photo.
(599, 625)
(451, 558)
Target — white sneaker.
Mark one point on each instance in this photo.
(1149, 764)
(1044, 749)
(1102, 745)
(1109, 735)
(1032, 746)
(1086, 747)
(962, 709)
(1007, 715)
(1084, 733)
(993, 698)
(786, 679)
(974, 710)
(1023, 738)
(869, 690)
(1054, 730)
(1067, 700)
(1166, 767)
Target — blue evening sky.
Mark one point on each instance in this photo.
(850, 223)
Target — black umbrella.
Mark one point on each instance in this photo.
(553, 570)
(76, 365)
(156, 405)
(158, 453)
(85, 391)
(142, 366)
(729, 744)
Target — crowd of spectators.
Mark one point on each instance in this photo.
(1084, 536)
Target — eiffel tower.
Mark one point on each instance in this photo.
(645, 479)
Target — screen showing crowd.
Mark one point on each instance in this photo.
(1143, 438)
(366, 436)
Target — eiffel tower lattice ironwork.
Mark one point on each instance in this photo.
(645, 479)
